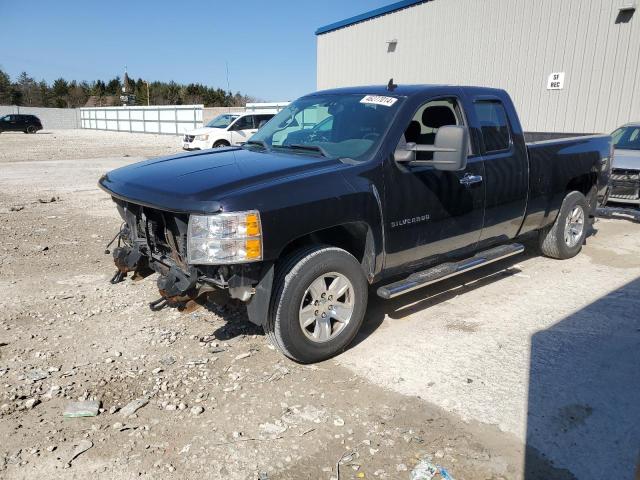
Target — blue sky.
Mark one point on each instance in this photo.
(270, 46)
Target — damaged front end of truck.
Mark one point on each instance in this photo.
(154, 241)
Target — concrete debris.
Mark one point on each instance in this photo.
(135, 405)
(87, 408)
(309, 413)
(272, 429)
(32, 402)
(197, 410)
(36, 375)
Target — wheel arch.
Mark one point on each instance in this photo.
(354, 237)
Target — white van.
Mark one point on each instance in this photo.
(226, 130)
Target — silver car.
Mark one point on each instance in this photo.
(625, 174)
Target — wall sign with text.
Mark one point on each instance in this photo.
(555, 81)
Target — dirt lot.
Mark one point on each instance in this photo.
(529, 370)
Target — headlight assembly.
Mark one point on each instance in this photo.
(202, 138)
(224, 238)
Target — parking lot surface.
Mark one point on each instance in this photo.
(526, 369)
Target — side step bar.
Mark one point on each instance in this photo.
(447, 270)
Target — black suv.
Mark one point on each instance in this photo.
(20, 123)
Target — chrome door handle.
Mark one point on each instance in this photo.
(469, 179)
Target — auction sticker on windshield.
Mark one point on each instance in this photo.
(379, 100)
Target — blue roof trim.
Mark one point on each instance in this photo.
(378, 12)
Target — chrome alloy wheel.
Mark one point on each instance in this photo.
(327, 306)
(574, 226)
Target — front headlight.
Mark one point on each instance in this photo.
(202, 138)
(224, 238)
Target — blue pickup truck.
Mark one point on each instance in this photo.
(395, 187)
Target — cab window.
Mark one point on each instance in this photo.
(428, 119)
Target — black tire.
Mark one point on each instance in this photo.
(552, 240)
(293, 277)
(221, 143)
(31, 129)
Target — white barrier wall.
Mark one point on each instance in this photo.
(162, 119)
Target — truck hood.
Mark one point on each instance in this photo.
(626, 159)
(196, 183)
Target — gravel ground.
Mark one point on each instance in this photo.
(83, 144)
(448, 374)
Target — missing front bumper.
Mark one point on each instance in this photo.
(189, 288)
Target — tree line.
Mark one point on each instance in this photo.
(26, 91)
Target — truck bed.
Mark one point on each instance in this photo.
(553, 161)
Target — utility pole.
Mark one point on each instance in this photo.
(148, 98)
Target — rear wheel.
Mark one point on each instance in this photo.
(564, 239)
(221, 144)
(318, 303)
(31, 129)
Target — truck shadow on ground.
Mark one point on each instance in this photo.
(584, 392)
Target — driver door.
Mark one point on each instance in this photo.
(243, 129)
(431, 213)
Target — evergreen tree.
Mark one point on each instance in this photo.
(63, 93)
(29, 90)
(5, 88)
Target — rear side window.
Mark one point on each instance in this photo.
(493, 124)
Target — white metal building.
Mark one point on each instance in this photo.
(571, 66)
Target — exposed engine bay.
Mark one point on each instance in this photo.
(154, 241)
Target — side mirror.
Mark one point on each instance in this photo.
(449, 151)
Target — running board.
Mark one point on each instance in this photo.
(448, 270)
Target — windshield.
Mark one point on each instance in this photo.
(336, 126)
(222, 121)
(627, 138)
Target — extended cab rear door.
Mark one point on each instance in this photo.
(428, 212)
(498, 134)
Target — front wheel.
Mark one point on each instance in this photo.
(221, 144)
(564, 239)
(318, 303)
